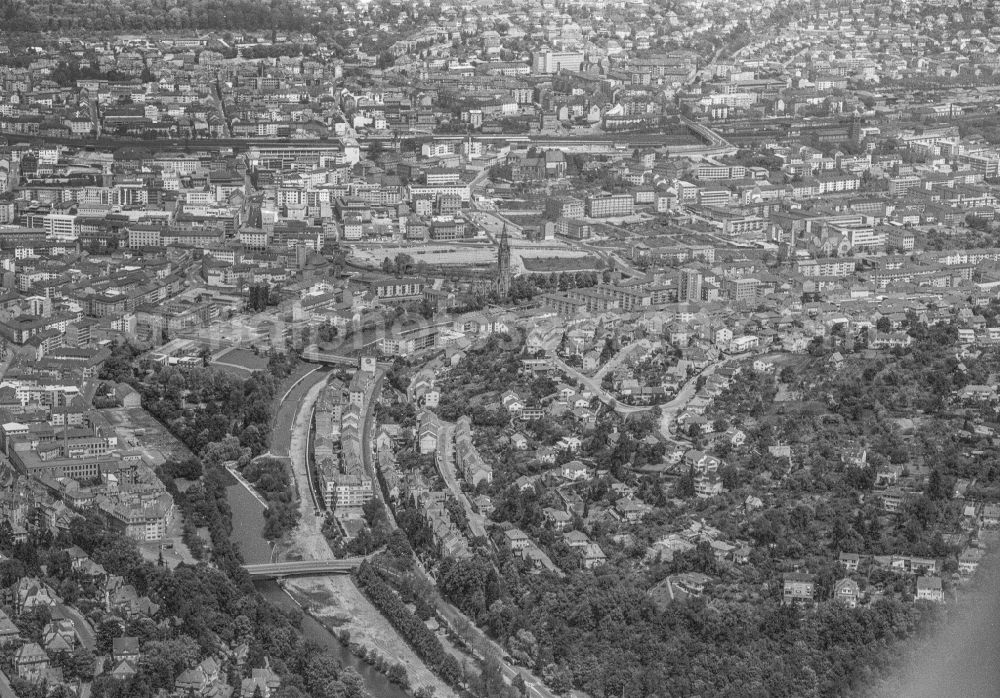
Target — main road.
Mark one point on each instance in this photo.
(302, 568)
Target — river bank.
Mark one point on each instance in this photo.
(331, 603)
(335, 600)
(339, 605)
(376, 683)
(248, 524)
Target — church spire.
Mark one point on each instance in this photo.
(503, 265)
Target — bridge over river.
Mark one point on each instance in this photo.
(302, 568)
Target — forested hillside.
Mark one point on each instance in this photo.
(154, 15)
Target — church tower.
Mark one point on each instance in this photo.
(503, 265)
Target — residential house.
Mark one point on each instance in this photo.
(593, 556)
(263, 681)
(569, 443)
(9, 633)
(123, 670)
(968, 561)
(678, 588)
(200, 680)
(991, 515)
(558, 518)
(847, 592)
(30, 593)
(59, 635)
(707, 484)
(428, 432)
(574, 470)
(893, 499)
(125, 648)
(630, 510)
(517, 539)
(546, 455)
(850, 561)
(798, 588)
(930, 589)
(31, 663)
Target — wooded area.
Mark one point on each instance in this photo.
(153, 15)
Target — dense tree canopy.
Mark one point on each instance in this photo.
(143, 15)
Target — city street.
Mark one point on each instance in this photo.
(595, 387)
(446, 466)
(670, 410)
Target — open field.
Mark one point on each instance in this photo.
(430, 254)
(241, 362)
(553, 264)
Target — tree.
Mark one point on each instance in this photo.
(397, 675)
(403, 263)
(353, 683)
(558, 678)
(81, 664)
(684, 487)
(259, 297)
(326, 332)
(608, 350)
(107, 631)
(6, 535)
(163, 660)
(937, 488)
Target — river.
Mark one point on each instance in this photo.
(248, 523)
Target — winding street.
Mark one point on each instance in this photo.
(620, 356)
(670, 410)
(594, 386)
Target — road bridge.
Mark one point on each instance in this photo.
(302, 568)
(311, 353)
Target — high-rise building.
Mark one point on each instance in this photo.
(689, 288)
